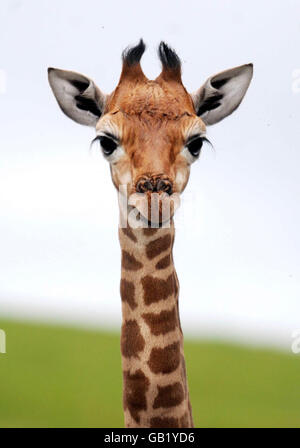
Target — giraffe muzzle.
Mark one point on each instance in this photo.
(154, 198)
(154, 184)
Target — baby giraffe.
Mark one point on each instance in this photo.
(150, 132)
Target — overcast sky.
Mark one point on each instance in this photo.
(237, 247)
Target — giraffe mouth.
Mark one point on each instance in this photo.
(154, 209)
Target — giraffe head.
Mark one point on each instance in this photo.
(150, 131)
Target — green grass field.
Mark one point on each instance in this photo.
(61, 377)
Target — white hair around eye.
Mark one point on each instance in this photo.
(188, 156)
(116, 155)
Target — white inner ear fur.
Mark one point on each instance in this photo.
(222, 93)
(72, 90)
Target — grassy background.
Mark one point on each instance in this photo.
(62, 377)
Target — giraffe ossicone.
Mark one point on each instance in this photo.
(150, 132)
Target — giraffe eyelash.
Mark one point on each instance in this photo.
(196, 136)
(105, 134)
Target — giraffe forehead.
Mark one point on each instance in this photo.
(159, 100)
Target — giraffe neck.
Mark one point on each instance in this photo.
(155, 392)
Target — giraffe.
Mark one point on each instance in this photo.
(150, 132)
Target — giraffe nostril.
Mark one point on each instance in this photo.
(144, 185)
(164, 185)
(154, 184)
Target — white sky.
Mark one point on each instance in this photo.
(238, 258)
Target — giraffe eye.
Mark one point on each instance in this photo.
(108, 145)
(194, 146)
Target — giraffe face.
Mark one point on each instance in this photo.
(150, 135)
(150, 132)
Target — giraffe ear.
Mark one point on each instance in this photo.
(78, 97)
(221, 94)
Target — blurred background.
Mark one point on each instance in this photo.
(237, 246)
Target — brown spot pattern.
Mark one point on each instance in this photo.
(154, 248)
(156, 289)
(164, 262)
(135, 388)
(168, 396)
(149, 231)
(129, 262)
(129, 233)
(163, 422)
(127, 293)
(165, 360)
(132, 342)
(161, 323)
